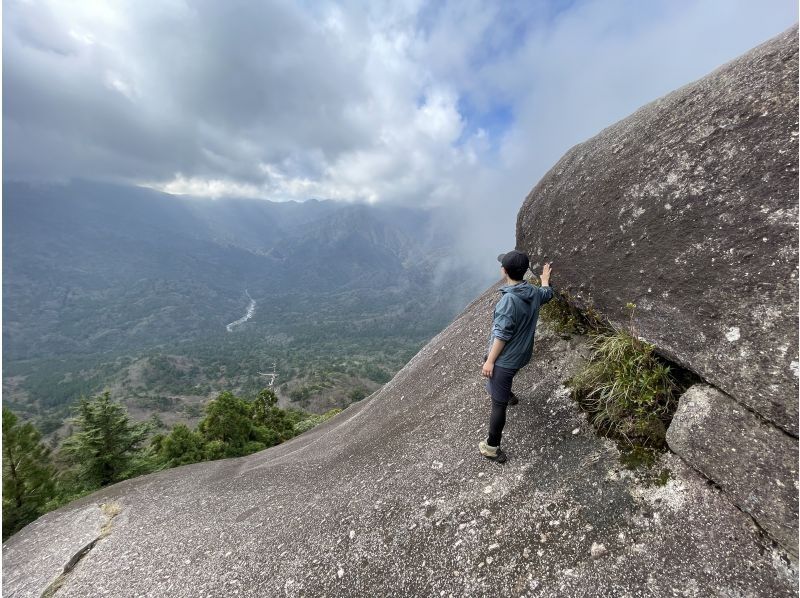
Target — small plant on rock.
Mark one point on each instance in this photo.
(562, 315)
(563, 318)
(628, 391)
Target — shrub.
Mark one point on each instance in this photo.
(357, 394)
(253, 447)
(266, 436)
(561, 316)
(228, 420)
(214, 449)
(314, 420)
(181, 446)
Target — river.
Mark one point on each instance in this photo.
(251, 309)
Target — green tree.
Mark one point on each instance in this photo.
(265, 400)
(28, 474)
(106, 443)
(274, 425)
(228, 421)
(181, 447)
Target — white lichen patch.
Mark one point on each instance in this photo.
(562, 391)
(614, 475)
(783, 567)
(768, 315)
(733, 334)
(795, 368)
(633, 213)
(671, 496)
(694, 403)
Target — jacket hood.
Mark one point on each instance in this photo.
(523, 290)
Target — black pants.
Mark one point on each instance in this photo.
(499, 386)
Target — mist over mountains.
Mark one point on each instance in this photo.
(96, 271)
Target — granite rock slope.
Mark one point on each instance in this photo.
(689, 209)
(391, 498)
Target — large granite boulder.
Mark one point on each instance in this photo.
(392, 498)
(689, 209)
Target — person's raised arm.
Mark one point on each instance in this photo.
(545, 291)
(545, 278)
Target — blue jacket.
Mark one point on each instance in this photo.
(515, 317)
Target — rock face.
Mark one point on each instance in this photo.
(392, 498)
(753, 464)
(688, 208)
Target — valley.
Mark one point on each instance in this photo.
(167, 301)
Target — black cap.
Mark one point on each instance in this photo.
(515, 262)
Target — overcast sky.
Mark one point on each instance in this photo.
(459, 103)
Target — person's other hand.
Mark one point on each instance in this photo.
(546, 270)
(487, 369)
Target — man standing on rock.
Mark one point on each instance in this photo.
(511, 341)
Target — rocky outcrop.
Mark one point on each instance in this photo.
(754, 466)
(688, 208)
(391, 498)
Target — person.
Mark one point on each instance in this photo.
(510, 341)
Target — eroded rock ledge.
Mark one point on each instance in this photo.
(754, 464)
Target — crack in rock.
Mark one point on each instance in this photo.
(110, 510)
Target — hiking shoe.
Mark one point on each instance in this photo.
(513, 400)
(493, 453)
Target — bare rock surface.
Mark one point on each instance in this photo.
(689, 209)
(31, 562)
(392, 498)
(754, 462)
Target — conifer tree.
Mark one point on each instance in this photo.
(105, 444)
(28, 475)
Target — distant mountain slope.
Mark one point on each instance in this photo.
(97, 277)
(93, 268)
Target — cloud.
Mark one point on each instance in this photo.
(566, 74)
(459, 103)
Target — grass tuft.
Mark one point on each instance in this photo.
(628, 391)
(110, 510)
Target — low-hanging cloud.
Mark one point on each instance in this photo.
(459, 103)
